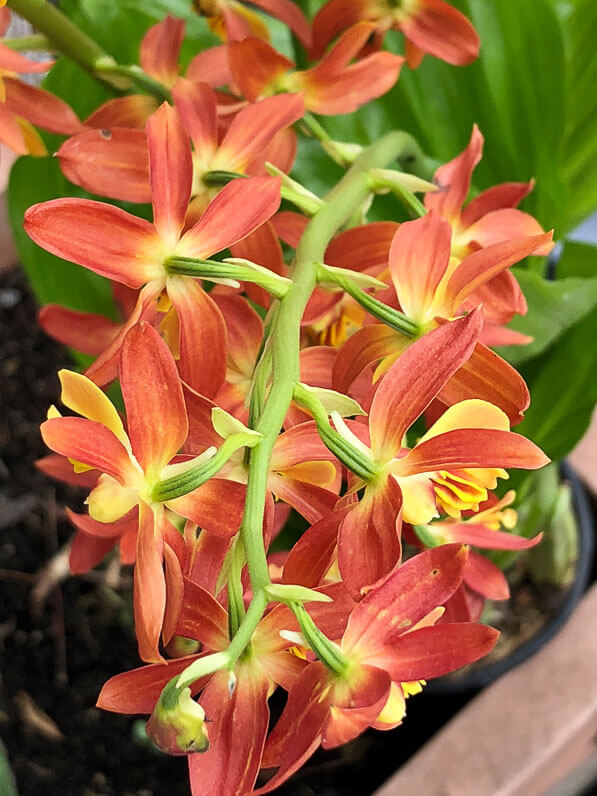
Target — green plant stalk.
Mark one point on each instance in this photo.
(314, 128)
(393, 318)
(236, 606)
(61, 32)
(340, 203)
(63, 35)
(212, 269)
(327, 651)
(350, 456)
(36, 41)
(194, 477)
(227, 658)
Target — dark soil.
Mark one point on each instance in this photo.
(57, 652)
(55, 659)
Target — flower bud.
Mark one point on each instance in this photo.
(177, 724)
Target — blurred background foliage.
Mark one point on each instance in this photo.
(532, 93)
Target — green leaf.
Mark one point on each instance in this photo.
(515, 91)
(8, 786)
(577, 259)
(54, 280)
(563, 390)
(554, 307)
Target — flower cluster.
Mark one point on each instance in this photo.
(284, 359)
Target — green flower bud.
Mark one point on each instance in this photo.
(177, 724)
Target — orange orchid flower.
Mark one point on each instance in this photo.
(390, 644)
(23, 105)
(451, 468)
(335, 85)
(130, 463)
(429, 26)
(234, 701)
(133, 251)
(431, 287)
(232, 20)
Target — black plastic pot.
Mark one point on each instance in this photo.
(481, 676)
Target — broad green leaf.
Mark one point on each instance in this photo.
(563, 390)
(554, 307)
(577, 259)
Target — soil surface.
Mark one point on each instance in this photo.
(57, 648)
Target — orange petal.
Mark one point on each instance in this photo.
(415, 379)
(202, 335)
(441, 30)
(149, 593)
(112, 163)
(481, 266)
(419, 257)
(160, 49)
(100, 237)
(471, 447)
(454, 179)
(41, 108)
(170, 171)
(239, 208)
(489, 377)
(196, 103)
(84, 331)
(152, 392)
(255, 65)
(91, 443)
(369, 537)
(254, 127)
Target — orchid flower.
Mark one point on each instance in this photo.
(135, 252)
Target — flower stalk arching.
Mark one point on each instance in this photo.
(348, 195)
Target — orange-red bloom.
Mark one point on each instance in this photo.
(430, 26)
(389, 642)
(133, 251)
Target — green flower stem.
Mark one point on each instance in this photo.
(212, 269)
(340, 203)
(227, 658)
(108, 70)
(194, 477)
(350, 456)
(314, 128)
(236, 606)
(388, 315)
(379, 182)
(328, 652)
(63, 35)
(36, 41)
(60, 31)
